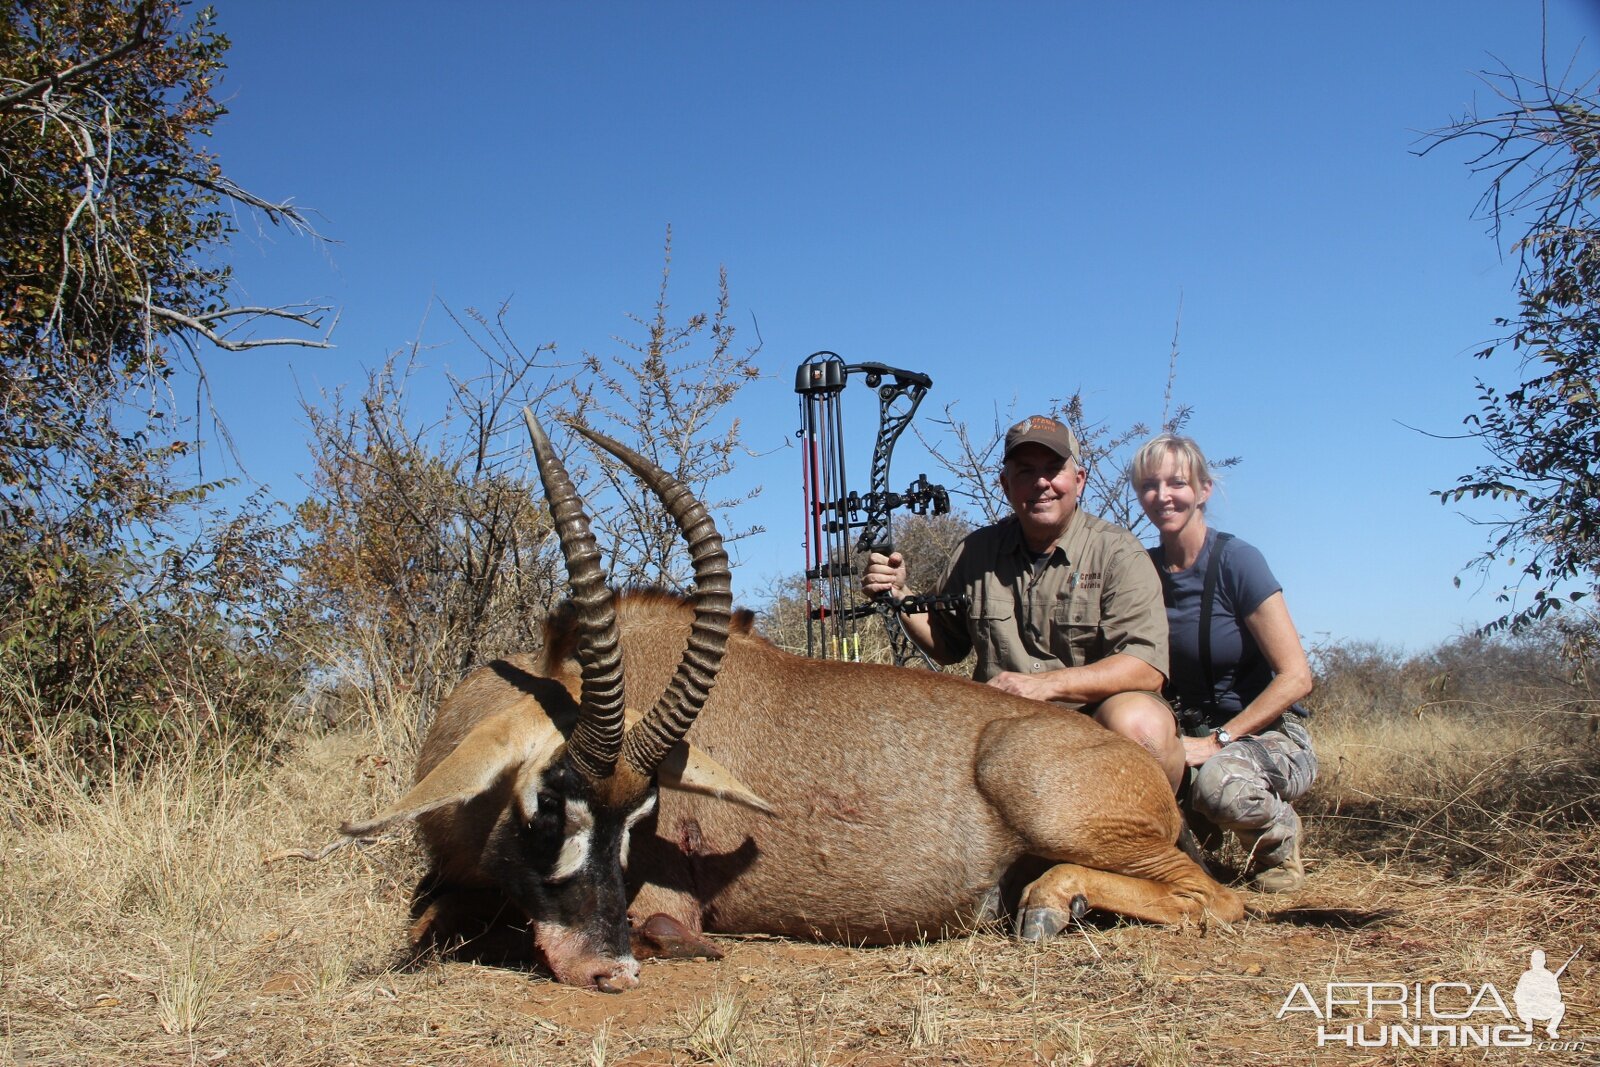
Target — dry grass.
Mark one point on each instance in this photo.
(1502, 797)
(138, 925)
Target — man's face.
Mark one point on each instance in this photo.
(1043, 490)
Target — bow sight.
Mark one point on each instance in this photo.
(833, 510)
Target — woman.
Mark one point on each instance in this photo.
(1235, 680)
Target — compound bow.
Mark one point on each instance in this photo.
(834, 605)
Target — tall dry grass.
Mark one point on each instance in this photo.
(1478, 759)
(139, 925)
(143, 894)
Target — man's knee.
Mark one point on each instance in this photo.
(1141, 717)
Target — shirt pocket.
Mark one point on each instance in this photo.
(996, 626)
(1076, 635)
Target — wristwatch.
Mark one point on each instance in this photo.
(1224, 738)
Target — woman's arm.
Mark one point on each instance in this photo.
(1275, 634)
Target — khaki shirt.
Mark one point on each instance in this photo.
(1098, 595)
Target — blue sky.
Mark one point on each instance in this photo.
(1010, 197)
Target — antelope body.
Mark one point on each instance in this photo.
(872, 803)
(901, 801)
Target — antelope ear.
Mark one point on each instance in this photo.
(478, 760)
(689, 770)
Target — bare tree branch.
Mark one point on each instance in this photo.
(200, 324)
(1172, 363)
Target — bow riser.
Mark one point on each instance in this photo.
(834, 512)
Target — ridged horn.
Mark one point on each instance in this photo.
(597, 737)
(648, 741)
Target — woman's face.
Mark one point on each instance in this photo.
(1169, 500)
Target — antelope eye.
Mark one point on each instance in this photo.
(549, 813)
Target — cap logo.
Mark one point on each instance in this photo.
(1046, 431)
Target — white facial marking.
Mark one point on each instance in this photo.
(641, 811)
(575, 845)
(627, 827)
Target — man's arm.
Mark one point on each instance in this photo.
(1133, 621)
(1089, 684)
(887, 574)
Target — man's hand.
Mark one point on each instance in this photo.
(1023, 685)
(886, 574)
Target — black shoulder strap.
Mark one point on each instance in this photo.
(1208, 593)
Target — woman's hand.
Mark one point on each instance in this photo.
(1196, 750)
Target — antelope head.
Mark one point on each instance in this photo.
(559, 846)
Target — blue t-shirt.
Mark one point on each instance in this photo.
(1240, 670)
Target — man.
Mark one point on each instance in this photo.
(1538, 994)
(1064, 606)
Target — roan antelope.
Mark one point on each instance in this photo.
(876, 804)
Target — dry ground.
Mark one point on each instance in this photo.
(139, 926)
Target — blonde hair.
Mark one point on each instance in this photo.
(1156, 450)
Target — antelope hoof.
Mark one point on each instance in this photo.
(1079, 906)
(1041, 924)
(663, 937)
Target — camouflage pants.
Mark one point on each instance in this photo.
(1248, 786)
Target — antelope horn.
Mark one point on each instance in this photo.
(648, 741)
(597, 737)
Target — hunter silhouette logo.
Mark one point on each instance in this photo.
(1538, 993)
(1437, 1014)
